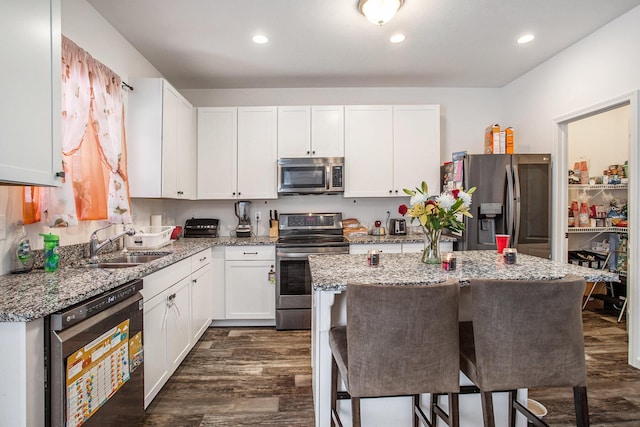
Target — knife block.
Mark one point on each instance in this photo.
(273, 230)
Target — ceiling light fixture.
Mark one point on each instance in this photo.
(526, 38)
(379, 12)
(397, 38)
(260, 39)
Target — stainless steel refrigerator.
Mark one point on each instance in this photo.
(513, 197)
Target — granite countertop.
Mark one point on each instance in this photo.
(389, 238)
(36, 294)
(333, 272)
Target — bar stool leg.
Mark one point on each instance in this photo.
(355, 411)
(454, 410)
(334, 392)
(487, 409)
(582, 406)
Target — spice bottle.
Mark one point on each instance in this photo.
(51, 256)
(583, 217)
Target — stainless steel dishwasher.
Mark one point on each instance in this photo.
(95, 361)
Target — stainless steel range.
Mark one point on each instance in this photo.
(302, 235)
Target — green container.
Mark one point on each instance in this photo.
(51, 256)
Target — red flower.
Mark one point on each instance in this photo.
(402, 209)
(454, 193)
(431, 202)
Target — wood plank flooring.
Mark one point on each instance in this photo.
(262, 377)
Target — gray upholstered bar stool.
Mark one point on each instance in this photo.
(525, 334)
(398, 341)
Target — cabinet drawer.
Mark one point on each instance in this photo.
(163, 279)
(249, 253)
(200, 259)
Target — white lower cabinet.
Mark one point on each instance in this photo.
(249, 294)
(178, 304)
(201, 294)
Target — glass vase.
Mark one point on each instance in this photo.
(431, 252)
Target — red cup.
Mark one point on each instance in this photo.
(502, 241)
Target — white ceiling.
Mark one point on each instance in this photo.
(198, 44)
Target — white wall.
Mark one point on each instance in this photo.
(602, 66)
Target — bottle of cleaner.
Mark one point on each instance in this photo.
(22, 259)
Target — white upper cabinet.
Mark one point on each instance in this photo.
(294, 131)
(161, 142)
(416, 147)
(389, 148)
(30, 121)
(217, 153)
(368, 150)
(316, 131)
(257, 152)
(237, 153)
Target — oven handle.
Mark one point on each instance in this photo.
(291, 255)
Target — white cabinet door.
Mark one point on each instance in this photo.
(416, 147)
(160, 141)
(294, 131)
(178, 323)
(249, 293)
(186, 151)
(201, 301)
(31, 80)
(368, 148)
(156, 369)
(170, 102)
(257, 153)
(327, 131)
(217, 153)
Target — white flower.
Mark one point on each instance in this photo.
(418, 198)
(466, 199)
(446, 201)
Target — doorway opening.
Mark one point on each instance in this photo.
(565, 151)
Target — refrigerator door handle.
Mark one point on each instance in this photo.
(509, 202)
(516, 180)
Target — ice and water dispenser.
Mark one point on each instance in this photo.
(490, 223)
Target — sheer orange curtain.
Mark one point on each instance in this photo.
(93, 148)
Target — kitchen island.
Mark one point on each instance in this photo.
(330, 277)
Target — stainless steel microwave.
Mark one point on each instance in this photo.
(313, 175)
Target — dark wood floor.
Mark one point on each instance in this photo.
(260, 377)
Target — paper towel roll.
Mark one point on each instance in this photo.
(156, 220)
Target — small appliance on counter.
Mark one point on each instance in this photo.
(244, 219)
(377, 229)
(398, 227)
(201, 227)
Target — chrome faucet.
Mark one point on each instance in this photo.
(95, 245)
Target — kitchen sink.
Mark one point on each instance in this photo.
(125, 261)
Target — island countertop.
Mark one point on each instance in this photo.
(333, 272)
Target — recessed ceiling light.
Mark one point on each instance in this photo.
(260, 39)
(526, 38)
(397, 38)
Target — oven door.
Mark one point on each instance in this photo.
(293, 279)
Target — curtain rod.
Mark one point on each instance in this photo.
(126, 86)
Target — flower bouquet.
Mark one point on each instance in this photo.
(435, 213)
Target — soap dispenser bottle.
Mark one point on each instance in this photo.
(22, 258)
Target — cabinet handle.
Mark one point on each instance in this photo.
(203, 259)
(239, 193)
(194, 280)
(250, 253)
(307, 151)
(390, 191)
(180, 193)
(313, 152)
(60, 174)
(234, 193)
